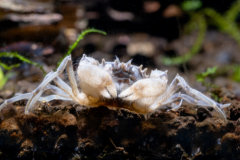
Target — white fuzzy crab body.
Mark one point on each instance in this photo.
(115, 85)
(119, 76)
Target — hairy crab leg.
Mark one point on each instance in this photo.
(197, 97)
(81, 99)
(201, 96)
(15, 99)
(27, 95)
(57, 91)
(54, 97)
(175, 106)
(39, 90)
(71, 77)
(185, 97)
(19, 96)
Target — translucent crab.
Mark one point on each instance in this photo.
(115, 85)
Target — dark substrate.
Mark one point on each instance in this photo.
(57, 131)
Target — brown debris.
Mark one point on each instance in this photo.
(234, 110)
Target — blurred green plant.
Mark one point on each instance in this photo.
(197, 21)
(232, 71)
(23, 59)
(236, 73)
(4, 78)
(80, 37)
(191, 5)
(226, 22)
(201, 76)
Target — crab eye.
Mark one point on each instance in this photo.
(89, 60)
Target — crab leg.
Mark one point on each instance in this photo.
(81, 98)
(57, 91)
(19, 96)
(14, 99)
(39, 90)
(185, 97)
(195, 97)
(72, 79)
(60, 95)
(54, 97)
(199, 95)
(175, 106)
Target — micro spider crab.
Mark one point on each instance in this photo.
(115, 85)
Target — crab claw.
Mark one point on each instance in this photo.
(95, 81)
(109, 91)
(144, 88)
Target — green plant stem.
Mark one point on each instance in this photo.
(196, 46)
(232, 70)
(16, 55)
(223, 24)
(80, 37)
(7, 67)
(233, 11)
(4, 78)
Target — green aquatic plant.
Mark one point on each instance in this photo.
(80, 37)
(197, 21)
(4, 77)
(225, 23)
(20, 57)
(201, 76)
(191, 5)
(232, 71)
(236, 73)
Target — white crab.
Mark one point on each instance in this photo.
(115, 85)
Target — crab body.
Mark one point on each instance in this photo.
(115, 85)
(109, 83)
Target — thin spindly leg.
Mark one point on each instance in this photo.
(54, 97)
(195, 95)
(176, 106)
(81, 99)
(27, 95)
(60, 95)
(72, 80)
(39, 90)
(185, 97)
(15, 99)
(19, 96)
(58, 91)
(198, 95)
(35, 95)
(172, 88)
